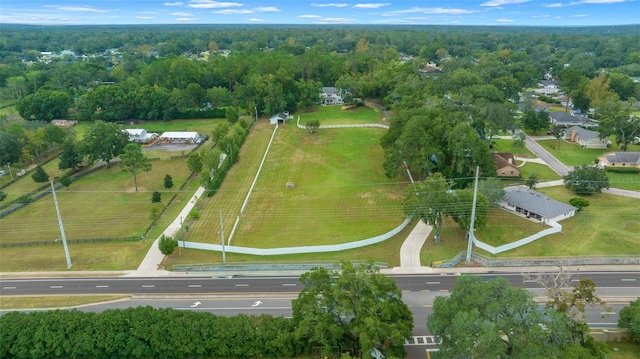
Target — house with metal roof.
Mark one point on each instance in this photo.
(564, 119)
(536, 206)
(180, 137)
(620, 159)
(585, 138)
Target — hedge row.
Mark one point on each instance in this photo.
(633, 170)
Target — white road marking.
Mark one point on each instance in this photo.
(627, 279)
(102, 286)
(56, 286)
(433, 282)
(195, 285)
(289, 285)
(242, 285)
(607, 313)
(8, 287)
(148, 286)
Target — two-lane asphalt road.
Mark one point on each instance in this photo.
(547, 157)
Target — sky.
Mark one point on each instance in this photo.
(386, 12)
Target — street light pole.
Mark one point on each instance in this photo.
(64, 237)
(11, 173)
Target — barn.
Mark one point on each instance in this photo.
(180, 137)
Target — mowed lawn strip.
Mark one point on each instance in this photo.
(233, 190)
(543, 172)
(340, 192)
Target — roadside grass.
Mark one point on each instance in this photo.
(335, 115)
(571, 154)
(505, 227)
(54, 301)
(25, 184)
(386, 252)
(337, 196)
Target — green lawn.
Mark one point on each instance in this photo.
(337, 196)
(333, 115)
(571, 154)
(504, 145)
(543, 172)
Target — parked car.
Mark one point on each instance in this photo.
(550, 132)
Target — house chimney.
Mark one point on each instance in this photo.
(574, 133)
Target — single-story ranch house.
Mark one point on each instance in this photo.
(620, 159)
(585, 138)
(536, 205)
(560, 118)
(180, 137)
(505, 164)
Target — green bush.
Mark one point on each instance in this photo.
(156, 197)
(167, 245)
(24, 199)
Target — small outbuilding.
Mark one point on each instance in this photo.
(535, 205)
(280, 118)
(180, 137)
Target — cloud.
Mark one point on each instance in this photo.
(183, 14)
(233, 12)
(255, 19)
(211, 4)
(177, 3)
(371, 5)
(584, 2)
(309, 16)
(76, 8)
(266, 9)
(540, 16)
(502, 2)
(331, 5)
(504, 20)
(578, 16)
(186, 19)
(336, 20)
(435, 10)
(145, 17)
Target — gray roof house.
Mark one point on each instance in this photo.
(536, 205)
(585, 138)
(560, 118)
(620, 159)
(282, 118)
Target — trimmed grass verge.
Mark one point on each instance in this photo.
(53, 302)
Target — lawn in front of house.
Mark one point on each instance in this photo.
(336, 115)
(506, 145)
(543, 172)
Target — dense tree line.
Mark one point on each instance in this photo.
(145, 332)
(355, 308)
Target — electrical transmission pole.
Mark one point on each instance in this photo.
(473, 216)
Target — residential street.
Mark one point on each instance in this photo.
(557, 166)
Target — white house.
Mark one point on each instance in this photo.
(140, 135)
(180, 137)
(331, 96)
(585, 138)
(536, 205)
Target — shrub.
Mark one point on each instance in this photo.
(156, 197)
(167, 245)
(24, 199)
(3, 195)
(194, 213)
(168, 181)
(65, 181)
(580, 203)
(155, 213)
(40, 176)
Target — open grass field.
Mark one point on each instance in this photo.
(335, 115)
(571, 154)
(337, 196)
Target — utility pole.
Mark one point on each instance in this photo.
(224, 255)
(473, 216)
(256, 109)
(11, 173)
(64, 237)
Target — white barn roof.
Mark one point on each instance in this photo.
(180, 135)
